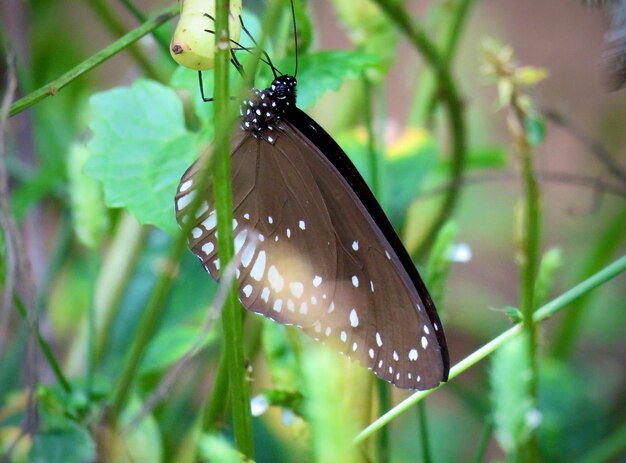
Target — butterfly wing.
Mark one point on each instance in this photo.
(317, 251)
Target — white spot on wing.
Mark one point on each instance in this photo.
(265, 294)
(355, 245)
(343, 336)
(413, 355)
(354, 318)
(278, 304)
(185, 186)
(296, 288)
(371, 353)
(276, 281)
(208, 248)
(258, 269)
(355, 281)
(247, 290)
(379, 341)
(185, 200)
(196, 232)
(317, 280)
(247, 255)
(424, 342)
(301, 224)
(210, 222)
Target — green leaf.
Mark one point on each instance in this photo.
(216, 448)
(406, 164)
(170, 345)
(439, 262)
(326, 70)
(140, 150)
(370, 29)
(535, 128)
(489, 157)
(281, 360)
(63, 441)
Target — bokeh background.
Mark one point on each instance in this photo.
(584, 345)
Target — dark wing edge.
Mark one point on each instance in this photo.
(334, 154)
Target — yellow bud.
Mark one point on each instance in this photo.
(193, 47)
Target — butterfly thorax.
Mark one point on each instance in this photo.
(261, 112)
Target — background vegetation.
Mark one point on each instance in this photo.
(486, 132)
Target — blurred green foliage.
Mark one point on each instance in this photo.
(103, 156)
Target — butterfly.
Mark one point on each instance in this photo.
(315, 248)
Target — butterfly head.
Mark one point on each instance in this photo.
(283, 90)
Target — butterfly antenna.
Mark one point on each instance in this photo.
(295, 35)
(267, 57)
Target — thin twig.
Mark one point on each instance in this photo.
(52, 88)
(6, 222)
(596, 148)
(449, 93)
(546, 311)
(226, 279)
(563, 178)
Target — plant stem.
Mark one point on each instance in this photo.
(52, 88)
(607, 243)
(372, 152)
(159, 34)
(148, 324)
(45, 348)
(452, 21)
(544, 312)
(449, 93)
(422, 418)
(484, 440)
(610, 447)
(529, 261)
(109, 18)
(232, 317)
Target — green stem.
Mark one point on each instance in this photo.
(115, 273)
(568, 331)
(422, 418)
(52, 88)
(45, 348)
(529, 265)
(544, 312)
(232, 316)
(383, 439)
(148, 324)
(609, 448)
(109, 17)
(485, 437)
(449, 93)
(450, 22)
(159, 34)
(372, 153)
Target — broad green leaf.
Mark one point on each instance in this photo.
(63, 441)
(281, 360)
(494, 157)
(573, 415)
(370, 30)
(323, 71)
(216, 448)
(171, 344)
(140, 150)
